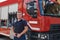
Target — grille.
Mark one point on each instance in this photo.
(54, 36)
(55, 27)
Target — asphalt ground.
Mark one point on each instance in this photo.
(4, 38)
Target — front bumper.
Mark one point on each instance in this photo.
(45, 36)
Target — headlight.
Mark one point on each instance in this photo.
(44, 36)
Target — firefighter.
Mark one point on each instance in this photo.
(20, 28)
(52, 7)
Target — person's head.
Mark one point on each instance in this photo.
(19, 15)
(58, 1)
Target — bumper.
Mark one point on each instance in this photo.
(45, 36)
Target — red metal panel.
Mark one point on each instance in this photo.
(8, 2)
(44, 22)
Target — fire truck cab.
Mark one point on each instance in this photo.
(43, 18)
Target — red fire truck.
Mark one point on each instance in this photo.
(8, 10)
(43, 18)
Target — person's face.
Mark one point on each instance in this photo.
(58, 1)
(19, 15)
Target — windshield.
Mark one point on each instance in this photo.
(49, 7)
(31, 8)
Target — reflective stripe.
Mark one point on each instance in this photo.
(4, 34)
(33, 28)
(33, 22)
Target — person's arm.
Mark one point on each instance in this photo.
(25, 28)
(43, 4)
(13, 31)
(12, 28)
(23, 32)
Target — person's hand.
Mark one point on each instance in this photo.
(14, 34)
(19, 35)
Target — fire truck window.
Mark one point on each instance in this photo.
(52, 8)
(11, 18)
(3, 22)
(41, 6)
(49, 7)
(32, 9)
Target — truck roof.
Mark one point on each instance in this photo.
(8, 2)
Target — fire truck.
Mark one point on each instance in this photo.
(8, 10)
(43, 17)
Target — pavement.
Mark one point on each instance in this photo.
(4, 38)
